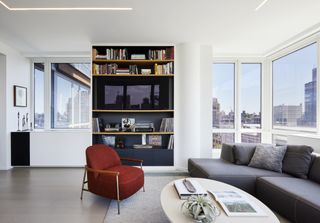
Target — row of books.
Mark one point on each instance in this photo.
(104, 68)
(166, 125)
(112, 54)
(165, 54)
(171, 142)
(163, 68)
(95, 125)
(113, 68)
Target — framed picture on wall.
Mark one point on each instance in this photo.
(19, 96)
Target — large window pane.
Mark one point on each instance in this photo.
(38, 95)
(223, 96)
(70, 95)
(250, 96)
(295, 89)
(220, 138)
(251, 137)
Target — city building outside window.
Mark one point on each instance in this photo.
(295, 89)
(39, 75)
(70, 88)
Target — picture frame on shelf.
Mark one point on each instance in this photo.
(19, 96)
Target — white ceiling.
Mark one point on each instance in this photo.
(231, 26)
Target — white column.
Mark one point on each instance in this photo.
(3, 122)
(193, 137)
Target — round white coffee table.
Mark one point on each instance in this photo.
(171, 204)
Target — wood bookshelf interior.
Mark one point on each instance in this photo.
(118, 91)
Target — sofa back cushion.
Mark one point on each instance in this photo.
(297, 160)
(227, 152)
(268, 157)
(243, 152)
(314, 173)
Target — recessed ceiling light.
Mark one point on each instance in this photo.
(67, 8)
(261, 4)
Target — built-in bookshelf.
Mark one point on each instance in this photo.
(133, 101)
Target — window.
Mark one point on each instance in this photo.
(220, 138)
(70, 86)
(251, 137)
(250, 106)
(38, 95)
(223, 96)
(295, 89)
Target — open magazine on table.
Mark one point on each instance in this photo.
(236, 204)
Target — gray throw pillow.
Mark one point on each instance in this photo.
(243, 153)
(297, 160)
(268, 157)
(315, 170)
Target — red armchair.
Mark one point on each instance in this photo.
(106, 176)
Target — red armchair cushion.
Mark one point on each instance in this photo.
(101, 157)
(131, 179)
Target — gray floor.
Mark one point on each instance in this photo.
(32, 195)
(47, 195)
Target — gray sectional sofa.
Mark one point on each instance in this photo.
(294, 193)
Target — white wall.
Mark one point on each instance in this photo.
(63, 148)
(17, 72)
(193, 136)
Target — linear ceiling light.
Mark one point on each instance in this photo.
(67, 8)
(261, 4)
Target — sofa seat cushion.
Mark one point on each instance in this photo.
(285, 194)
(243, 177)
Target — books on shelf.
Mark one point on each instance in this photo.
(110, 68)
(236, 204)
(183, 192)
(166, 125)
(171, 142)
(95, 125)
(163, 68)
(163, 54)
(112, 54)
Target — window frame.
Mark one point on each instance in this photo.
(278, 55)
(48, 61)
(238, 130)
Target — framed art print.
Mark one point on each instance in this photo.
(19, 96)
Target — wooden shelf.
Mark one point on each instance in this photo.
(132, 133)
(133, 111)
(132, 61)
(132, 75)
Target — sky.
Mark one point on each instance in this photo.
(290, 73)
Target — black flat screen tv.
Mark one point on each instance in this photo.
(132, 95)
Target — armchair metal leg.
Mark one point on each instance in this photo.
(118, 206)
(143, 189)
(118, 194)
(83, 183)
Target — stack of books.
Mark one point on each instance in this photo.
(122, 71)
(183, 192)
